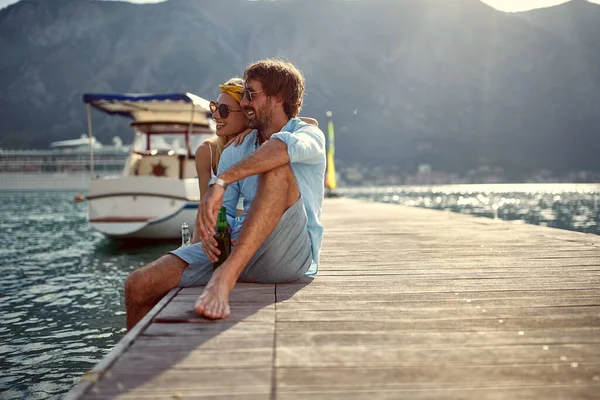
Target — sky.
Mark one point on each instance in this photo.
(504, 5)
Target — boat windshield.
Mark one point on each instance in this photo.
(173, 143)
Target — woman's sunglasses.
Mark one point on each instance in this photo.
(223, 109)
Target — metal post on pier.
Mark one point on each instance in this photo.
(188, 137)
(89, 115)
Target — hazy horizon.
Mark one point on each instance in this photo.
(502, 5)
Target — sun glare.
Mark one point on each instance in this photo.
(503, 5)
(523, 5)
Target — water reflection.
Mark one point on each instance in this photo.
(565, 206)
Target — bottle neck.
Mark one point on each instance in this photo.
(222, 219)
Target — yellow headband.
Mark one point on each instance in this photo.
(233, 90)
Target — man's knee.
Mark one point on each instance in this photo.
(154, 279)
(281, 177)
(279, 174)
(134, 286)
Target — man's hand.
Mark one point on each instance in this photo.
(208, 210)
(209, 246)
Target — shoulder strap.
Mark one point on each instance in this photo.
(212, 172)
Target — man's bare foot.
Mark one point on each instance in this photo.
(213, 303)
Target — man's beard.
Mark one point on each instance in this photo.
(262, 117)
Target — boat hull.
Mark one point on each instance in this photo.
(142, 207)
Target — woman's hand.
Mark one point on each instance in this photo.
(239, 138)
(309, 120)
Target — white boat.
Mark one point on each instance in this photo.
(158, 188)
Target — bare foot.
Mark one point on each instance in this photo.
(213, 303)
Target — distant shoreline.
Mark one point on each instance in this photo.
(48, 181)
(68, 181)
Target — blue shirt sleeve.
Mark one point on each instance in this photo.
(305, 145)
(232, 193)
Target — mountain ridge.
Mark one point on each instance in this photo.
(454, 84)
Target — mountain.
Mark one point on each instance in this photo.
(452, 83)
(576, 22)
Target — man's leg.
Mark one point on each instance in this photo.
(277, 191)
(146, 286)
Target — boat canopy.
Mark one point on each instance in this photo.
(175, 108)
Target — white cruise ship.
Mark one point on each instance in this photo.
(64, 166)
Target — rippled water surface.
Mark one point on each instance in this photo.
(61, 286)
(61, 293)
(565, 206)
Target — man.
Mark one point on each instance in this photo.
(279, 170)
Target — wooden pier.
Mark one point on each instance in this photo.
(408, 303)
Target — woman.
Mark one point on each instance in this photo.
(232, 127)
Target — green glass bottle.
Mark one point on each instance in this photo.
(223, 237)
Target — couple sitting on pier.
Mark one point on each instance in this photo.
(277, 164)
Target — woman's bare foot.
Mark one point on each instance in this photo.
(213, 303)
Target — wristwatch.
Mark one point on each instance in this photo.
(217, 181)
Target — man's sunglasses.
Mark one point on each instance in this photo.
(248, 93)
(223, 109)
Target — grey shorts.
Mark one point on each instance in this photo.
(284, 256)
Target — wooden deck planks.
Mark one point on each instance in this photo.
(408, 303)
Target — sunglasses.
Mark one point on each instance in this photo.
(248, 93)
(223, 109)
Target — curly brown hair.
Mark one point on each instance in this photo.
(279, 78)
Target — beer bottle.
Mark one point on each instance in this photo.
(185, 235)
(223, 238)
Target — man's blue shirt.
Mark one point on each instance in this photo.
(306, 149)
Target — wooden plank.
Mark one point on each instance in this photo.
(451, 301)
(462, 263)
(166, 343)
(457, 274)
(460, 312)
(424, 287)
(211, 329)
(426, 378)
(489, 323)
(159, 394)
(180, 311)
(194, 381)
(236, 336)
(424, 297)
(547, 391)
(366, 334)
(182, 357)
(475, 272)
(372, 356)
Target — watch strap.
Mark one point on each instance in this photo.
(217, 181)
